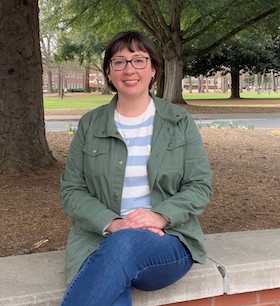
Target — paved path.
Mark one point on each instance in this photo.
(255, 120)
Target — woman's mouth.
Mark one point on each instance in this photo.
(130, 82)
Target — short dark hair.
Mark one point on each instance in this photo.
(132, 40)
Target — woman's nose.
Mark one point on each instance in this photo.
(129, 67)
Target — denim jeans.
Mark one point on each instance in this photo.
(128, 258)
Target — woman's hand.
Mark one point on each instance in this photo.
(140, 218)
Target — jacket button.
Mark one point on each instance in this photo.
(120, 162)
(116, 195)
(94, 151)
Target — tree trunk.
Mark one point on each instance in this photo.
(259, 83)
(106, 89)
(50, 88)
(23, 144)
(273, 81)
(173, 81)
(235, 84)
(256, 83)
(160, 85)
(224, 84)
(262, 82)
(200, 84)
(87, 71)
(49, 71)
(215, 83)
(190, 84)
(60, 82)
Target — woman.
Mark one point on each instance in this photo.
(136, 177)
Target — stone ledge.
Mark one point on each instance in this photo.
(202, 281)
(250, 261)
(35, 279)
(38, 279)
(237, 262)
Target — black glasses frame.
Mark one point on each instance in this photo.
(131, 62)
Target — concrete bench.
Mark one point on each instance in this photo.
(238, 262)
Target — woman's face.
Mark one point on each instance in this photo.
(131, 81)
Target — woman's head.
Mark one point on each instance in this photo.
(133, 41)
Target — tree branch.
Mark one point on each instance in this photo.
(176, 8)
(68, 22)
(141, 20)
(218, 17)
(233, 32)
(152, 13)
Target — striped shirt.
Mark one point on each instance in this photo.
(137, 133)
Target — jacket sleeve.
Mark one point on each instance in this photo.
(194, 190)
(78, 203)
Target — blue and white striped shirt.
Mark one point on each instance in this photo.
(137, 133)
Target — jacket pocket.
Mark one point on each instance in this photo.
(174, 155)
(171, 170)
(96, 158)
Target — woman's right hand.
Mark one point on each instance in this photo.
(115, 225)
(152, 221)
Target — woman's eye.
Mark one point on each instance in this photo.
(119, 62)
(138, 60)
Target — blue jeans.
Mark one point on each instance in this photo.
(129, 257)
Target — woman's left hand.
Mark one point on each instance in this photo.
(143, 218)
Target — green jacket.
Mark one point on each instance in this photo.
(91, 185)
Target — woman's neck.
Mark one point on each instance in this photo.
(132, 107)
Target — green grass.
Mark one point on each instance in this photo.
(262, 95)
(220, 96)
(205, 96)
(91, 101)
(75, 101)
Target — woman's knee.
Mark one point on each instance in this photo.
(125, 243)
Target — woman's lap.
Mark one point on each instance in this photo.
(131, 257)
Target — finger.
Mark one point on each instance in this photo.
(132, 224)
(138, 213)
(156, 230)
(137, 219)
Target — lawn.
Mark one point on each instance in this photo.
(91, 101)
(75, 101)
(221, 96)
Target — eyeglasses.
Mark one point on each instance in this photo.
(121, 63)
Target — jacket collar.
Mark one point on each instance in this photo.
(169, 114)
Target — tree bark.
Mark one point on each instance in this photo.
(235, 84)
(201, 83)
(50, 87)
(173, 81)
(106, 90)
(273, 81)
(23, 144)
(87, 71)
(60, 82)
(160, 84)
(190, 84)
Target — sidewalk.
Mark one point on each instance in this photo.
(195, 116)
